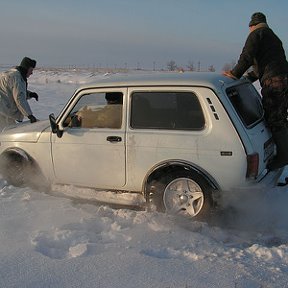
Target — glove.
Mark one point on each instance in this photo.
(34, 95)
(32, 118)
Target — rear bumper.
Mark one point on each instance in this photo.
(270, 178)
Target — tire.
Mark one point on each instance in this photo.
(14, 168)
(182, 192)
(21, 172)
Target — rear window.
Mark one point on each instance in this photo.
(166, 110)
(247, 103)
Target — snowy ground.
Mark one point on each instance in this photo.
(47, 240)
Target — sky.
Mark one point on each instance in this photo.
(132, 33)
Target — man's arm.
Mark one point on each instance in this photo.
(19, 95)
(246, 59)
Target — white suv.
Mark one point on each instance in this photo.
(180, 139)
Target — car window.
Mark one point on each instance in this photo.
(166, 110)
(97, 110)
(247, 103)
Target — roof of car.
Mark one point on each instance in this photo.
(206, 79)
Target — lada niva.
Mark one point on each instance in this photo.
(180, 139)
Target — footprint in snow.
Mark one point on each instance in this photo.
(89, 237)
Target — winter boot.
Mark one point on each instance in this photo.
(281, 159)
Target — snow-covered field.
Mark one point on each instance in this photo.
(48, 240)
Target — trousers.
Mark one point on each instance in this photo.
(275, 102)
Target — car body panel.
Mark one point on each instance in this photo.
(192, 146)
(92, 159)
(24, 132)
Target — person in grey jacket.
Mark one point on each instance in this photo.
(14, 94)
(263, 51)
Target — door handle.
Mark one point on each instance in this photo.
(114, 139)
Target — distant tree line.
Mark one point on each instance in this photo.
(172, 66)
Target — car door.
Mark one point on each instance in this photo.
(91, 151)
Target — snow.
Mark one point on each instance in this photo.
(52, 240)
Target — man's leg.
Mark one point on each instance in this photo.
(275, 104)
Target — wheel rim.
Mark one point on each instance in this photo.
(183, 195)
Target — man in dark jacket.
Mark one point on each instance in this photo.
(263, 51)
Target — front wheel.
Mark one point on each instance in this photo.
(182, 192)
(13, 170)
(21, 172)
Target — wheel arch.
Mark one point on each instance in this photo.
(10, 152)
(175, 165)
(31, 168)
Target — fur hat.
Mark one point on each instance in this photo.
(27, 63)
(257, 18)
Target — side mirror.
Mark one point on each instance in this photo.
(54, 126)
(53, 123)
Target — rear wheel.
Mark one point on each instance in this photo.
(182, 192)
